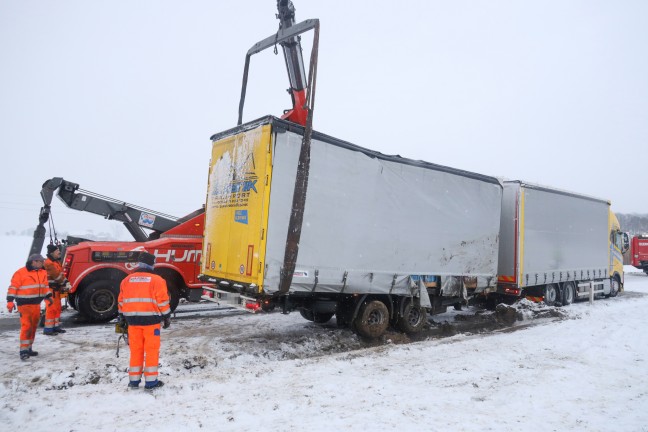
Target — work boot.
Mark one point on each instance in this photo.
(24, 355)
(59, 330)
(32, 353)
(133, 385)
(154, 385)
(49, 333)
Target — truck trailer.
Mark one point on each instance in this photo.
(554, 244)
(380, 234)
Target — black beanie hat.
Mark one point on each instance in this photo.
(147, 258)
(51, 248)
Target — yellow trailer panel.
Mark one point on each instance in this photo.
(237, 206)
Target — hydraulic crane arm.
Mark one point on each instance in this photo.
(292, 51)
(288, 37)
(133, 217)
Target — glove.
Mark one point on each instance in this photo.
(167, 322)
(67, 287)
(10, 306)
(121, 321)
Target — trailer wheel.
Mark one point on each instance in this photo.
(550, 294)
(373, 319)
(413, 319)
(568, 293)
(98, 301)
(319, 318)
(307, 314)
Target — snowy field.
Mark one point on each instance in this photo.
(579, 368)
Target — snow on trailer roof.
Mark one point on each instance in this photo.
(280, 124)
(557, 191)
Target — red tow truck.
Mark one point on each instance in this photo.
(95, 269)
(639, 252)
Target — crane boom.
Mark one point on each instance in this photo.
(133, 217)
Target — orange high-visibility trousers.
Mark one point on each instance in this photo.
(53, 313)
(29, 317)
(144, 343)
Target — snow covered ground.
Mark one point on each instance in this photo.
(582, 368)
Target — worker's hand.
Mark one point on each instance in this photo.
(121, 321)
(67, 287)
(10, 306)
(167, 322)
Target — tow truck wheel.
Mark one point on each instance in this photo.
(174, 296)
(413, 319)
(98, 301)
(568, 293)
(550, 294)
(372, 319)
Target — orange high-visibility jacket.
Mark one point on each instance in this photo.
(55, 274)
(144, 299)
(28, 287)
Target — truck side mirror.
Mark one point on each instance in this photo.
(626, 242)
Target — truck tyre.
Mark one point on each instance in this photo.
(98, 301)
(550, 294)
(568, 293)
(372, 319)
(307, 314)
(174, 295)
(72, 299)
(614, 287)
(413, 319)
(319, 318)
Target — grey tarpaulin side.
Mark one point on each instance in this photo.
(371, 220)
(563, 236)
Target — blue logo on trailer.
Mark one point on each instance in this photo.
(241, 216)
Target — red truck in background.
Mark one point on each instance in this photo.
(639, 252)
(95, 269)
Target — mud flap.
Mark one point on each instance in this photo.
(423, 295)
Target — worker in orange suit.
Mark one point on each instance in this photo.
(28, 289)
(143, 305)
(58, 284)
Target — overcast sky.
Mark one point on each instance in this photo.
(122, 96)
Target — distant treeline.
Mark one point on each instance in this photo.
(633, 223)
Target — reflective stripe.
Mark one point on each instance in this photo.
(135, 369)
(151, 369)
(140, 313)
(26, 342)
(28, 296)
(33, 286)
(150, 378)
(163, 304)
(139, 300)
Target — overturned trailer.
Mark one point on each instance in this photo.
(379, 238)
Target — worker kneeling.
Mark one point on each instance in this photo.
(143, 304)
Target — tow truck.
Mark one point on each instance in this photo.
(95, 269)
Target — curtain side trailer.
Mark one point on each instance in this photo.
(382, 236)
(554, 244)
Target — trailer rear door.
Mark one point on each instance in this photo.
(237, 206)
